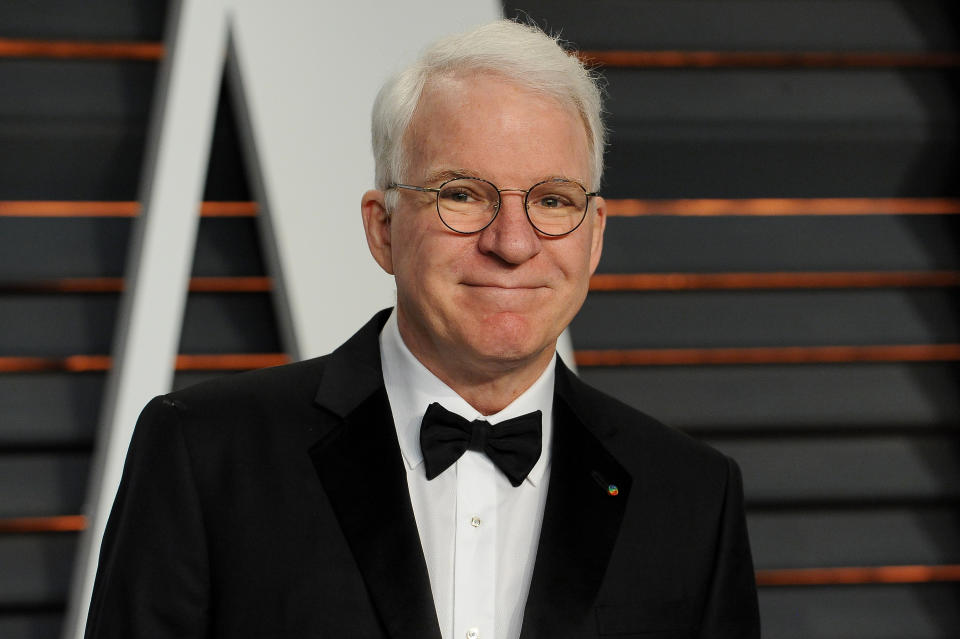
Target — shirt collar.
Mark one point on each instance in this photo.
(411, 387)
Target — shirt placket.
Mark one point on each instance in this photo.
(475, 550)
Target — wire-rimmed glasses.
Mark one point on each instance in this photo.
(468, 205)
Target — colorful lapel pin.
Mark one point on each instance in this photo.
(611, 489)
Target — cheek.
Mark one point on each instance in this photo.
(575, 259)
(427, 260)
(407, 240)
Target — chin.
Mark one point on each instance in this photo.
(510, 337)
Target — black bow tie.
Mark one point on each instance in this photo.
(513, 445)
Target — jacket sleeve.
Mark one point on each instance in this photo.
(731, 611)
(152, 579)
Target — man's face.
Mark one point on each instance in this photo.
(498, 298)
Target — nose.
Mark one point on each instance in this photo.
(510, 236)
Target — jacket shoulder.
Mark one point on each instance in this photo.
(638, 439)
(239, 397)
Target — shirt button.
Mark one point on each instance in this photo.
(475, 522)
(473, 633)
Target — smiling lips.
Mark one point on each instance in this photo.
(506, 292)
(506, 287)
(508, 297)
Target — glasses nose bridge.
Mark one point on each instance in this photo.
(520, 192)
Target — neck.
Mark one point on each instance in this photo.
(491, 395)
(487, 384)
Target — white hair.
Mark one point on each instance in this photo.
(522, 54)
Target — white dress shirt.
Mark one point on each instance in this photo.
(479, 534)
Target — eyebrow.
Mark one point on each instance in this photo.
(449, 174)
(444, 175)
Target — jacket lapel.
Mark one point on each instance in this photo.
(358, 462)
(585, 504)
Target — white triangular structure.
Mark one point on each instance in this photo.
(305, 73)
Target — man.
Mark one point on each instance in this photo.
(441, 474)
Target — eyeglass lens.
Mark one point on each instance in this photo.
(555, 207)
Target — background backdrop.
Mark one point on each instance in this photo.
(779, 278)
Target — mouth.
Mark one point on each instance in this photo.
(512, 297)
(505, 287)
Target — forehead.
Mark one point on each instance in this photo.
(483, 123)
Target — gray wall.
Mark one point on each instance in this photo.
(845, 464)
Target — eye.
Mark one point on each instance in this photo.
(552, 201)
(557, 197)
(467, 194)
(458, 195)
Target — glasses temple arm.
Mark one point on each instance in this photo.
(410, 187)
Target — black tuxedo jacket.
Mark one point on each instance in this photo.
(274, 504)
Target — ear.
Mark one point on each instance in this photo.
(599, 224)
(376, 226)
